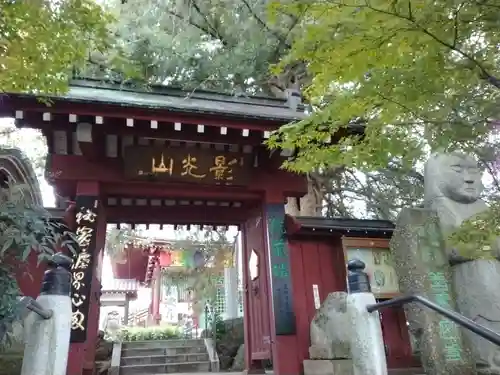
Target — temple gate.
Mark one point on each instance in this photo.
(171, 157)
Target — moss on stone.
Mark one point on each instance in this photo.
(11, 363)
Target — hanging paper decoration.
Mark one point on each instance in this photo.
(176, 259)
(229, 259)
(165, 259)
(187, 259)
(198, 259)
(191, 259)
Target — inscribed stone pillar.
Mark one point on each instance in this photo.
(422, 267)
(453, 187)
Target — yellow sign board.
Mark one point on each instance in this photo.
(380, 269)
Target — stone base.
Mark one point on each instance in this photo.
(328, 367)
(488, 371)
(339, 350)
(253, 371)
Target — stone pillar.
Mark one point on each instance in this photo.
(156, 295)
(126, 310)
(345, 338)
(367, 342)
(231, 292)
(47, 338)
(422, 268)
(239, 272)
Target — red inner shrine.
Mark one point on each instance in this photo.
(122, 155)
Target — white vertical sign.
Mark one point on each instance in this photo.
(317, 302)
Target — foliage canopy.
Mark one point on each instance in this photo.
(41, 42)
(418, 74)
(222, 45)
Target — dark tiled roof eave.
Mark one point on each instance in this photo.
(342, 226)
(175, 100)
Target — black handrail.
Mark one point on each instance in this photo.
(32, 305)
(452, 315)
(22, 306)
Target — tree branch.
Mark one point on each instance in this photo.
(483, 72)
(211, 27)
(296, 20)
(265, 26)
(205, 30)
(492, 173)
(455, 25)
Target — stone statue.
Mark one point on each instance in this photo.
(330, 329)
(345, 338)
(452, 189)
(113, 325)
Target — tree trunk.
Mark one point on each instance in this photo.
(308, 205)
(311, 203)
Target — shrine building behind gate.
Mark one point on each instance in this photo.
(168, 304)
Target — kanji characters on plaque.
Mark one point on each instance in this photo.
(82, 268)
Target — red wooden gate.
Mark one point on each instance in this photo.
(256, 300)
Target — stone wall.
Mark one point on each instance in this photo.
(11, 354)
(229, 342)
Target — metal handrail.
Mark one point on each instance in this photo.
(23, 303)
(32, 305)
(452, 315)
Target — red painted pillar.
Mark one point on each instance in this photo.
(285, 350)
(82, 354)
(255, 304)
(246, 303)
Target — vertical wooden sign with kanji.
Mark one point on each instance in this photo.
(83, 265)
(281, 278)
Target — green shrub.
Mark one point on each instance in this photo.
(149, 334)
(25, 228)
(216, 321)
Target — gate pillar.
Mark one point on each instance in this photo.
(280, 294)
(269, 318)
(256, 299)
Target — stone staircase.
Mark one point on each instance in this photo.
(163, 357)
(406, 371)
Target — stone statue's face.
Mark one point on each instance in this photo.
(461, 178)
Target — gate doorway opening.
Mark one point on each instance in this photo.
(187, 274)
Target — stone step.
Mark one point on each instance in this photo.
(407, 371)
(163, 351)
(185, 367)
(164, 359)
(162, 344)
